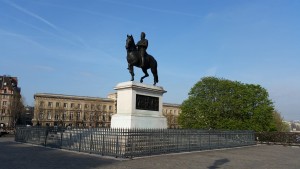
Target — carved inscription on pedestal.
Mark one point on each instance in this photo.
(147, 102)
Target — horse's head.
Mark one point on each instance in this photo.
(130, 43)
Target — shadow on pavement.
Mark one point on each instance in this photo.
(218, 163)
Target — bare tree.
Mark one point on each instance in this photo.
(16, 108)
(59, 117)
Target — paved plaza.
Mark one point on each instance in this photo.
(15, 155)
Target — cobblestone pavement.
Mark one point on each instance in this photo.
(26, 156)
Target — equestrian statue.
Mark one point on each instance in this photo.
(138, 57)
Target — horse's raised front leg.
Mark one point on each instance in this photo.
(146, 74)
(130, 68)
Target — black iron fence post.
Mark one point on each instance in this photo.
(189, 140)
(91, 143)
(218, 135)
(79, 142)
(39, 135)
(209, 142)
(61, 139)
(177, 141)
(131, 144)
(199, 140)
(226, 139)
(117, 146)
(46, 135)
(70, 138)
(102, 145)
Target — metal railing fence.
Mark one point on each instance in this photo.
(129, 143)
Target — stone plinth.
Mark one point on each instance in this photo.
(138, 106)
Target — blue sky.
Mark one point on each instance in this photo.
(77, 47)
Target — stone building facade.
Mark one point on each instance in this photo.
(10, 101)
(171, 112)
(83, 111)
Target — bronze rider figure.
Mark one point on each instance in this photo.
(142, 47)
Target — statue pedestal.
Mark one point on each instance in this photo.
(139, 106)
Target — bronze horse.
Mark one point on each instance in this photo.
(134, 59)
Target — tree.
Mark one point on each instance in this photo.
(293, 126)
(279, 124)
(216, 103)
(26, 116)
(59, 115)
(17, 108)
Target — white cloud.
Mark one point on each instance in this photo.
(75, 40)
(22, 37)
(32, 14)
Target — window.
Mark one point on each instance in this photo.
(3, 111)
(56, 117)
(110, 107)
(57, 104)
(41, 116)
(92, 106)
(65, 105)
(49, 115)
(103, 117)
(104, 107)
(72, 105)
(84, 116)
(79, 106)
(78, 116)
(98, 107)
(91, 116)
(41, 103)
(64, 116)
(71, 116)
(86, 106)
(49, 104)
(4, 103)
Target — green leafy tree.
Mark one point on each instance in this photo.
(279, 124)
(216, 103)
